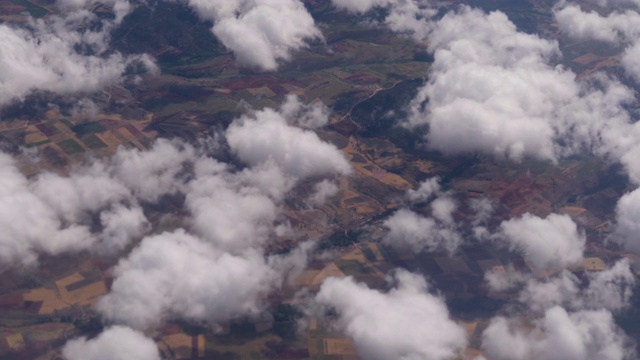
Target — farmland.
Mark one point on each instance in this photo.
(363, 73)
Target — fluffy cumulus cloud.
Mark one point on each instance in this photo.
(228, 210)
(46, 55)
(490, 88)
(404, 16)
(412, 231)
(28, 225)
(628, 221)
(405, 323)
(610, 289)
(121, 225)
(495, 90)
(312, 116)
(259, 32)
(425, 191)
(407, 229)
(619, 25)
(581, 335)
(267, 137)
(561, 289)
(99, 206)
(50, 213)
(216, 269)
(177, 275)
(323, 191)
(549, 244)
(236, 210)
(151, 174)
(114, 343)
(615, 27)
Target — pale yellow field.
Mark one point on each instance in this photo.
(60, 298)
(180, 344)
(129, 136)
(593, 264)
(330, 270)
(110, 139)
(49, 298)
(34, 135)
(376, 250)
(261, 91)
(15, 341)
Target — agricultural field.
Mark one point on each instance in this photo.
(366, 75)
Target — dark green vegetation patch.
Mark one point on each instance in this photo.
(34, 10)
(70, 147)
(94, 142)
(88, 128)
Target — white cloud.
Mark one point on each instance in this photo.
(266, 137)
(610, 289)
(550, 244)
(614, 27)
(121, 8)
(361, 6)
(323, 191)
(617, 26)
(409, 230)
(52, 214)
(494, 90)
(150, 174)
(559, 290)
(502, 342)
(504, 280)
(582, 335)
(425, 190)
(630, 61)
(312, 116)
(114, 343)
(227, 210)
(178, 275)
(405, 16)
(120, 226)
(87, 189)
(43, 55)
(259, 32)
(442, 209)
(490, 88)
(405, 323)
(627, 230)
(28, 225)
(482, 210)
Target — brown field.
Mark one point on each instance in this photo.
(315, 346)
(573, 211)
(586, 59)
(371, 169)
(245, 350)
(339, 346)
(306, 277)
